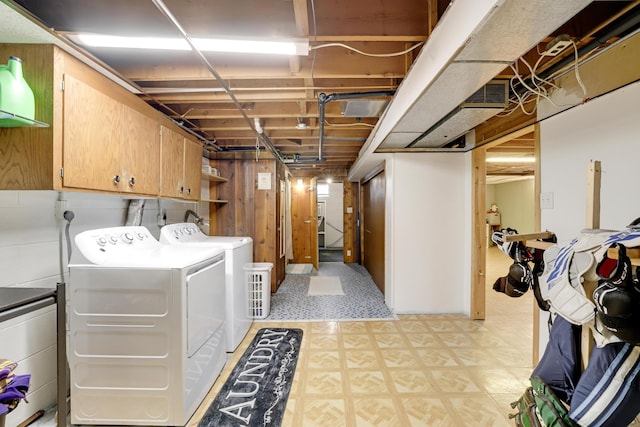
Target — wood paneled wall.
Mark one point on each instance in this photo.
(373, 226)
(250, 211)
(350, 238)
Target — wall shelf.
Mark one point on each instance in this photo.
(10, 120)
(213, 178)
(215, 201)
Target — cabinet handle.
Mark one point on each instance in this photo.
(132, 181)
(188, 191)
(116, 179)
(181, 189)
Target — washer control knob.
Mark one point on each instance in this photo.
(113, 239)
(127, 238)
(140, 235)
(101, 241)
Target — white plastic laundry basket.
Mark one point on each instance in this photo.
(258, 278)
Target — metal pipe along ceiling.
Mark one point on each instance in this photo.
(167, 13)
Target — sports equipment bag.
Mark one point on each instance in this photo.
(540, 407)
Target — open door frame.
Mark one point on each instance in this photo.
(478, 239)
(313, 200)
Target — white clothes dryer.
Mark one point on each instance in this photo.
(238, 252)
(146, 328)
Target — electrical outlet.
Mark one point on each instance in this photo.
(60, 208)
(546, 200)
(348, 252)
(557, 45)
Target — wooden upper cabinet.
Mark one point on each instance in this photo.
(100, 137)
(179, 157)
(140, 163)
(92, 124)
(172, 163)
(107, 145)
(192, 169)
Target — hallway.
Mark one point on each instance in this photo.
(361, 299)
(419, 370)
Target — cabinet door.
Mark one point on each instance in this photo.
(141, 153)
(91, 130)
(192, 169)
(171, 163)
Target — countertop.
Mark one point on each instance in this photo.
(13, 299)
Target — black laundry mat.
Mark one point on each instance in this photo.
(256, 392)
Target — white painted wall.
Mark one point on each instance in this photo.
(334, 218)
(426, 233)
(33, 254)
(605, 129)
(516, 203)
(490, 195)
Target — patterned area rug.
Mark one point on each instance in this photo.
(361, 300)
(256, 392)
(299, 268)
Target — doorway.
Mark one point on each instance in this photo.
(330, 221)
(511, 189)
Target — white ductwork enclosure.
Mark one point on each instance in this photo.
(473, 42)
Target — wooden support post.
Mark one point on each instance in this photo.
(592, 220)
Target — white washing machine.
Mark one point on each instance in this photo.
(238, 252)
(146, 328)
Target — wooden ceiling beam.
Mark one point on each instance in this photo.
(511, 149)
(279, 122)
(238, 134)
(346, 86)
(369, 38)
(263, 109)
(329, 63)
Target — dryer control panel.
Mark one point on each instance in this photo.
(104, 243)
(181, 231)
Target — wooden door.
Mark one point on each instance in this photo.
(373, 219)
(304, 222)
(91, 138)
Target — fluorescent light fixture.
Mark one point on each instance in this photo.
(511, 159)
(220, 44)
